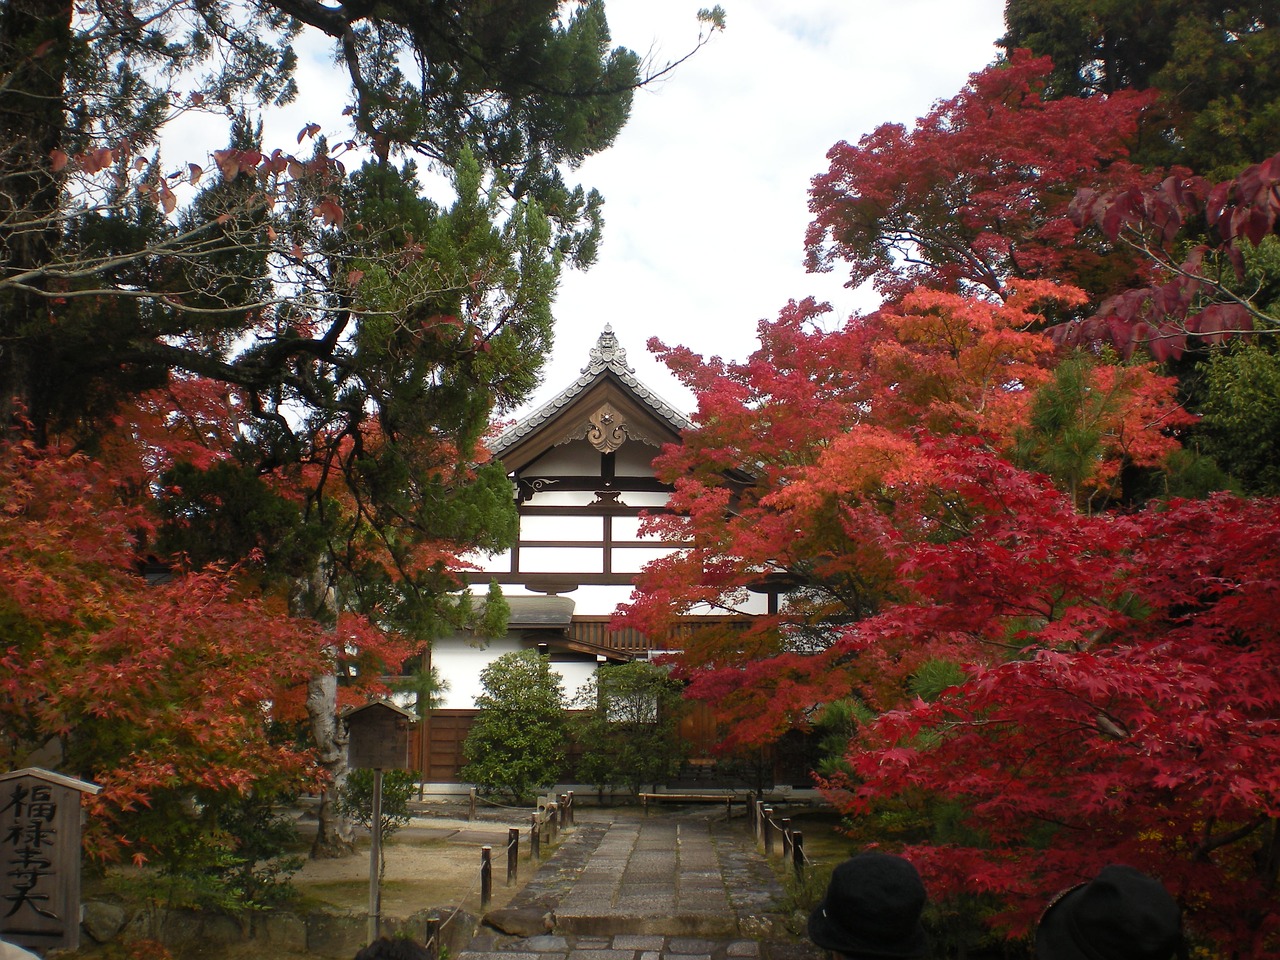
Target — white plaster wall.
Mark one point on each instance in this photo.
(459, 664)
(752, 603)
(634, 459)
(561, 560)
(551, 497)
(567, 460)
(631, 559)
(489, 563)
(575, 677)
(637, 498)
(628, 528)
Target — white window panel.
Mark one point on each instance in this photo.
(561, 560)
(543, 527)
(631, 559)
(628, 528)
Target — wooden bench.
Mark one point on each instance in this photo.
(726, 798)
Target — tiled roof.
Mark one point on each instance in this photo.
(607, 357)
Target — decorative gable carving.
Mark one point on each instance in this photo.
(606, 390)
(607, 430)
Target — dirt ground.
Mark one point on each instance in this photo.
(433, 862)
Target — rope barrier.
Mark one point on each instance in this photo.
(792, 840)
(458, 909)
(495, 803)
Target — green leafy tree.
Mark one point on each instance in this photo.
(1210, 60)
(528, 89)
(517, 744)
(1241, 414)
(321, 348)
(630, 732)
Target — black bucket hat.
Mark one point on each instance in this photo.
(872, 909)
(1121, 914)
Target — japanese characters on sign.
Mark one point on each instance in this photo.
(40, 858)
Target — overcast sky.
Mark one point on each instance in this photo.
(705, 190)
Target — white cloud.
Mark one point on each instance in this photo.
(706, 188)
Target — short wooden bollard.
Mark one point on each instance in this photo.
(433, 936)
(471, 805)
(513, 854)
(797, 853)
(552, 816)
(564, 810)
(486, 877)
(569, 807)
(759, 822)
(786, 837)
(768, 831)
(535, 838)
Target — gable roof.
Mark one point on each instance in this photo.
(605, 379)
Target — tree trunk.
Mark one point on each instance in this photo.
(334, 834)
(316, 597)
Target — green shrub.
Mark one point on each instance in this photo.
(629, 735)
(516, 746)
(355, 799)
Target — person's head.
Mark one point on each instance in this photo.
(871, 909)
(394, 948)
(1120, 914)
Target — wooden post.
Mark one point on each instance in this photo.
(433, 936)
(377, 740)
(564, 810)
(375, 858)
(424, 732)
(471, 805)
(535, 839)
(768, 831)
(486, 876)
(797, 853)
(569, 807)
(786, 837)
(513, 854)
(759, 821)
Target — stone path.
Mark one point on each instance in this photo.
(671, 887)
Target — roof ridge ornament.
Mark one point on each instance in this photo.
(608, 352)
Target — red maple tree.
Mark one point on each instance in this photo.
(1119, 700)
(1193, 234)
(1113, 688)
(153, 681)
(976, 195)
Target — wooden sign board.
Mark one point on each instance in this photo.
(378, 736)
(40, 858)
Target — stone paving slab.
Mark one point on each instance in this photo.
(679, 888)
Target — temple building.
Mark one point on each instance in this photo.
(581, 474)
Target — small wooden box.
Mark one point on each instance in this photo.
(378, 736)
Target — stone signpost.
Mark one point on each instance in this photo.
(40, 858)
